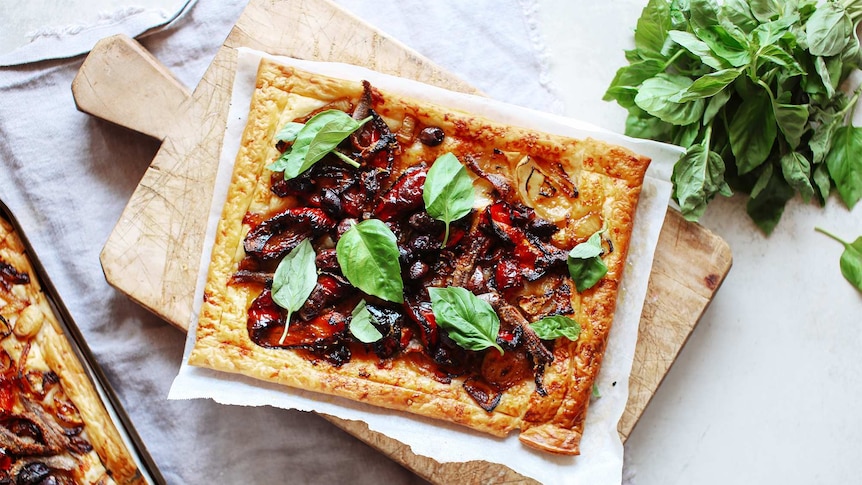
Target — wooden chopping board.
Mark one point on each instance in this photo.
(154, 251)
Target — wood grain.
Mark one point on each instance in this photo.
(154, 251)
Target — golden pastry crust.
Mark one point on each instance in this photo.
(38, 350)
(581, 186)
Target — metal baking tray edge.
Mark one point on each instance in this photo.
(109, 398)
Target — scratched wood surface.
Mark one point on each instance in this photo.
(153, 253)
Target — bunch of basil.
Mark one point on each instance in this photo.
(752, 89)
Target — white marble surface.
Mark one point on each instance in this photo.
(767, 389)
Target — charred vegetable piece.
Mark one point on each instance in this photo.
(281, 233)
(404, 197)
(266, 325)
(422, 314)
(512, 317)
(375, 142)
(534, 257)
(9, 276)
(388, 322)
(505, 370)
(486, 395)
(330, 289)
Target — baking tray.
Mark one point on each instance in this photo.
(97, 377)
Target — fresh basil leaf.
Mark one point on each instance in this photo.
(704, 13)
(822, 182)
(766, 207)
(633, 55)
(698, 176)
(623, 95)
(821, 140)
(625, 84)
(470, 321)
(362, 324)
(585, 263)
(792, 120)
(851, 263)
(770, 33)
(651, 30)
(853, 9)
(851, 53)
(762, 181)
(727, 42)
(797, 172)
(765, 10)
(845, 163)
(591, 248)
(294, 280)
(710, 84)
(778, 56)
(649, 128)
(851, 259)
(556, 326)
(369, 259)
(827, 77)
(697, 47)
(679, 12)
(738, 13)
(586, 273)
(828, 29)
(715, 104)
(448, 191)
(657, 95)
(752, 132)
(289, 132)
(685, 135)
(319, 136)
(765, 76)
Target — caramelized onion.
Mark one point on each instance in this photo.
(486, 395)
(406, 132)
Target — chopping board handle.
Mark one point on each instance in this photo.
(121, 82)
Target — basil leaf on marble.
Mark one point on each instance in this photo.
(845, 163)
(851, 259)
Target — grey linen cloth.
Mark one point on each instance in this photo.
(67, 176)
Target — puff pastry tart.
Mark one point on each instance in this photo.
(418, 258)
(54, 428)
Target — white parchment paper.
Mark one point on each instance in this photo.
(601, 449)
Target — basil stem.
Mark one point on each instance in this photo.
(851, 259)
